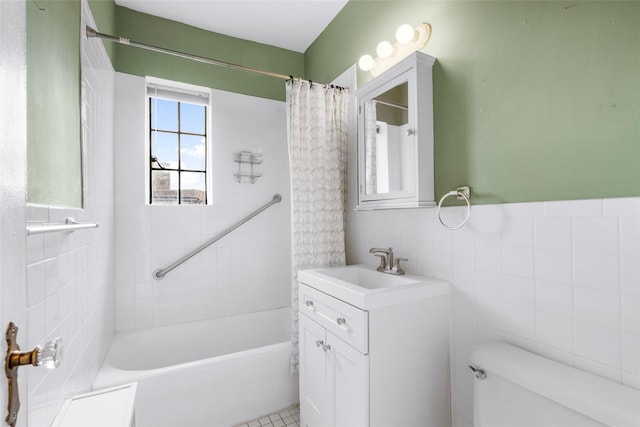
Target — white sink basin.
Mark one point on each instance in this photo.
(365, 277)
(364, 287)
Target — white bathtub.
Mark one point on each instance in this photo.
(211, 373)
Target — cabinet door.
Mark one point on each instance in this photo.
(313, 374)
(348, 384)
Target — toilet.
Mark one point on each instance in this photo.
(513, 387)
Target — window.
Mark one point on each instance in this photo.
(178, 141)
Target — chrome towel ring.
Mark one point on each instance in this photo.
(462, 193)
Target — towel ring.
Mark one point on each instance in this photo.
(460, 193)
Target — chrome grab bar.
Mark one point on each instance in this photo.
(160, 273)
(69, 225)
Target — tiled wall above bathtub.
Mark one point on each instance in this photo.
(249, 269)
(561, 279)
(70, 288)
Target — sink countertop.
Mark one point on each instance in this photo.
(394, 290)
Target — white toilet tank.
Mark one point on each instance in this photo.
(520, 388)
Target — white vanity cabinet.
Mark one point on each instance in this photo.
(333, 378)
(387, 365)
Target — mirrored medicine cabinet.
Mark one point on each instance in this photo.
(395, 137)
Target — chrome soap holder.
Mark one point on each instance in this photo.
(246, 171)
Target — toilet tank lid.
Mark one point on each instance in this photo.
(603, 400)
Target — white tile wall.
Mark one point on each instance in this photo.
(249, 269)
(561, 279)
(70, 276)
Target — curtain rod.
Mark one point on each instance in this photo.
(92, 33)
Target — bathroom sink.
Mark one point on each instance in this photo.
(366, 288)
(365, 277)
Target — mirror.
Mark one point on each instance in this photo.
(54, 155)
(395, 137)
(389, 153)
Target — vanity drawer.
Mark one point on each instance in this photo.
(344, 320)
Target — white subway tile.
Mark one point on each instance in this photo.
(555, 331)
(631, 354)
(630, 236)
(570, 208)
(629, 206)
(598, 344)
(488, 230)
(596, 307)
(514, 210)
(553, 266)
(630, 274)
(518, 261)
(554, 298)
(489, 285)
(35, 248)
(631, 380)
(489, 257)
(631, 314)
(489, 313)
(518, 232)
(35, 283)
(519, 321)
(464, 304)
(552, 233)
(52, 312)
(518, 291)
(36, 325)
(600, 271)
(599, 235)
(464, 254)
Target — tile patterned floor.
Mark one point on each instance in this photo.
(287, 417)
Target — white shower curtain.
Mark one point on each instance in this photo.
(317, 133)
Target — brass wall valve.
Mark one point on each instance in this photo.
(48, 356)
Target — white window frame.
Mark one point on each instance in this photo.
(182, 92)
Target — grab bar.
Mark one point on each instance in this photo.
(69, 225)
(160, 273)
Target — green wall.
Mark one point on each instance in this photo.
(173, 35)
(53, 100)
(104, 13)
(532, 100)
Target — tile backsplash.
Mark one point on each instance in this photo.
(561, 279)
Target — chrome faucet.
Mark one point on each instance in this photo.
(386, 257)
(387, 264)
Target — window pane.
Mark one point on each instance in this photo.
(164, 147)
(164, 114)
(192, 191)
(192, 118)
(192, 153)
(164, 187)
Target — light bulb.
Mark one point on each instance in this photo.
(384, 49)
(365, 62)
(405, 33)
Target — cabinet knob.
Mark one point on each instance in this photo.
(326, 347)
(411, 132)
(320, 343)
(341, 321)
(308, 303)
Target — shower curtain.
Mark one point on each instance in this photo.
(317, 134)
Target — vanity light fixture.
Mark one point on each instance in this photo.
(409, 40)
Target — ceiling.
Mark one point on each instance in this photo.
(289, 24)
